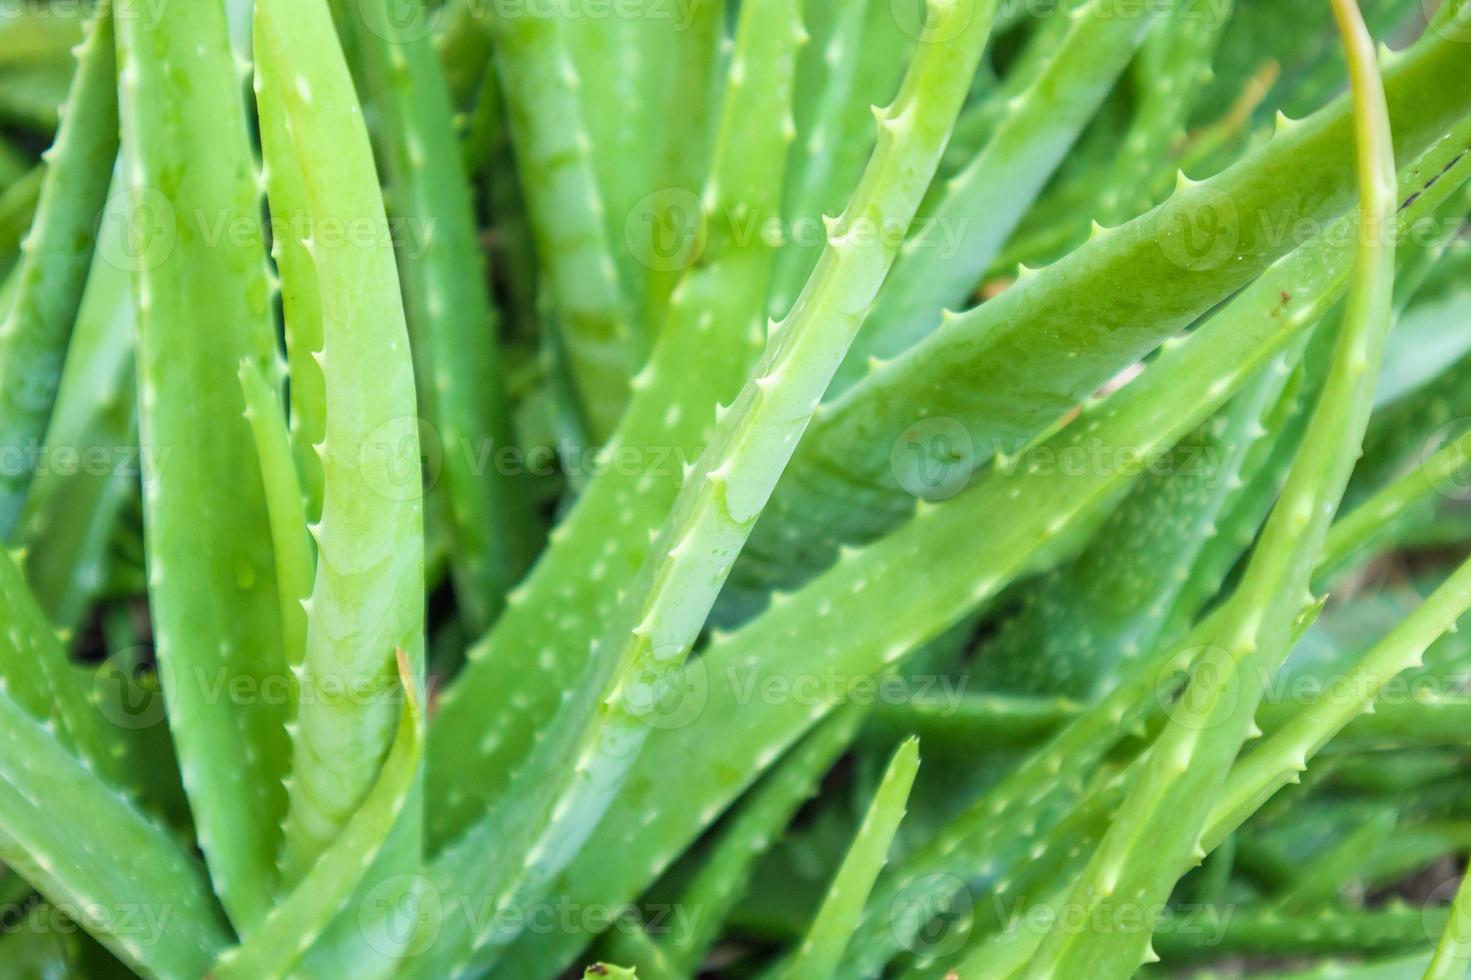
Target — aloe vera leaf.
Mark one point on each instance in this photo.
(854, 63)
(1137, 156)
(1158, 824)
(462, 46)
(211, 571)
(295, 564)
(631, 944)
(1085, 621)
(606, 971)
(301, 301)
(1438, 474)
(1284, 755)
(693, 93)
(595, 317)
(300, 918)
(621, 61)
(1452, 957)
(35, 671)
(1179, 391)
(981, 205)
(1247, 931)
(1400, 431)
(976, 722)
(450, 316)
(55, 809)
(666, 609)
(486, 727)
(1240, 523)
(1427, 339)
(1428, 720)
(17, 209)
(979, 120)
(370, 538)
(134, 736)
(1175, 65)
(717, 885)
(822, 948)
(56, 257)
(74, 504)
(980, 370)
(1322, 879)
(999, 818)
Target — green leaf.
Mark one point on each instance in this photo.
(828, 935)
(301, 917)
(57, 255)
(197, 244)
(595, 317)
(452, 324)
(141, 894)
(370, 537)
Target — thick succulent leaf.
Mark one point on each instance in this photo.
(57, 255)
(989, 381)
(74, 505)
(667, 606)
(451, 321)
(300, 918)
(1016, 511)
(286, 505)
(1085, 622)
(486, 726)
(1453, 950)
(828, 935)
(144, 895)
(211, 569)
(367, 599)
(1157, 826)
(946, 256)
(35, 672)
(594, 314)
(760, 818)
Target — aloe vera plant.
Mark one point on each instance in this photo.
(514, 489)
